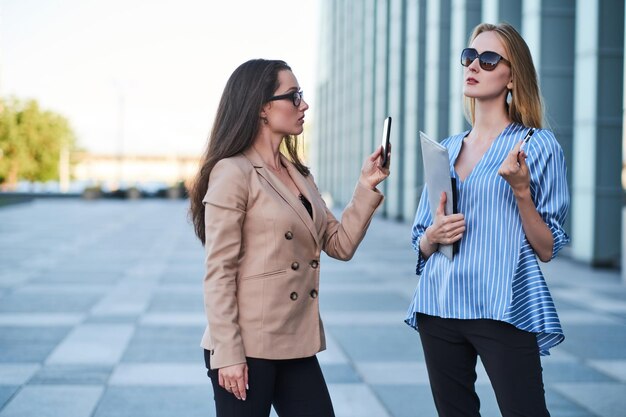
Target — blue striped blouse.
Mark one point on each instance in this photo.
(495, 274)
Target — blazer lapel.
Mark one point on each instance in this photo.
(309, 190)
(282, 190)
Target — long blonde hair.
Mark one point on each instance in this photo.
(526, 105)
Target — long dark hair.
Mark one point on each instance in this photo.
(236, 126)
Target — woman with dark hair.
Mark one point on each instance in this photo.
(264, 224)
(491, 300)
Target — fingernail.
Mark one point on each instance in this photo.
(247, 387)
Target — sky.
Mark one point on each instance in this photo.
(145, 76)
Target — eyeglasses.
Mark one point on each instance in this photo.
(488, 60)
(295, 97)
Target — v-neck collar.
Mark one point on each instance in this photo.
(290, 198)
(485, 155)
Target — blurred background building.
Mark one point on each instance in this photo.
(117, 171)
(401, 58)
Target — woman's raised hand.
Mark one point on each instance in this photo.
(515, 171)
(372, 172)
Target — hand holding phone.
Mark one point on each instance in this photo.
(385, 142)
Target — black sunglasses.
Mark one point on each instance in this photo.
(488, 60)
(295, 97)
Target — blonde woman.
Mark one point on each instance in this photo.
(491, 301)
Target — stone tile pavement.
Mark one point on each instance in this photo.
(101, 315)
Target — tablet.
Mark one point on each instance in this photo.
(438, 180)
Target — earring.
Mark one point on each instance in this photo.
(509, 97)
(265, 121)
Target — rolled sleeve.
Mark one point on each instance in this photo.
(550, 190)
(423, 219)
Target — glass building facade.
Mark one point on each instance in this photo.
(401, 58)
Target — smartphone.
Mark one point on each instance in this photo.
(385, 141)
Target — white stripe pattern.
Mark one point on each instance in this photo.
(495, 274)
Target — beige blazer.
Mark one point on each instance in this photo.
(262, 260)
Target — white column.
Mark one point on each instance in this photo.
(491, 11)
(395, 94)
(345, 159)
(466, 14)
(458, 41)
(597, 193)
(355, 105)
(335, 104)
(369, 76)
(531, 28)
(433, 54)
(410, 155)
(585, 106)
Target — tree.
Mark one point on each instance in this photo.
(31, 141)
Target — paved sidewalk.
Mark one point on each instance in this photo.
(101, 315)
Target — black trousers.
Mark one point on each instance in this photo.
(510, 357)
(295, 387)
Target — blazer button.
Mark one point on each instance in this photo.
(313, 294)
(295, 266)
(294, 296)
(314, 264)
(288, 235)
